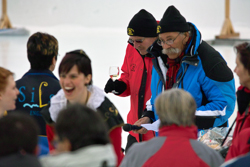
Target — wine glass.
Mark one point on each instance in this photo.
(114, 72)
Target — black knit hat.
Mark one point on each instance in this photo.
(143, 24)
(172, 21)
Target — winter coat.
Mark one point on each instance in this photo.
(20, 160)
(205, 75)
(92, 156)
(176, 146)
(98, 102)
(132, 68)
(36, 88)
(240, 161)
(241, 134)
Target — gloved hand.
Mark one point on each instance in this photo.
(117, 87)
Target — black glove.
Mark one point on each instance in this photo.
(117, 87)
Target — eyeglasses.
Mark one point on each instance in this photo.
(168, 42)
(137, 40)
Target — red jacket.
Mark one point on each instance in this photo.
(176, 146)
(132, 69)
(240, 137)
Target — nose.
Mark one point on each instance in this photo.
(136, 45)
(165, 46)
(17, 91)
(66, 81)
(235, 69)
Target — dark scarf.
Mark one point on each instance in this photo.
(173, 67)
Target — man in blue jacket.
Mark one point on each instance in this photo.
(39, 84)
(189, 63)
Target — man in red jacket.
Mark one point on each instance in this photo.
(177, 143)
(137, 66)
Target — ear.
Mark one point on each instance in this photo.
(37, 150)
(53, 64)
(54, 61)
(186, 36)
(68, 146)
(88, 78)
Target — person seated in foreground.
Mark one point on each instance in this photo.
(176, 144)
(18, 141)
(81, 139)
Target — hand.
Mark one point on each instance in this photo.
(143, 120)
(117, 87)
(110, 86)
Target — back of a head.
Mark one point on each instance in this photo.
(81, 126)
(18, 132)
(4, 74)
(176, 106)
(78, 58)
(41, 48)
(143, 24)
(243, 51)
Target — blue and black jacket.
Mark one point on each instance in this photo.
(203, 73)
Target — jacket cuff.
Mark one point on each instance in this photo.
(149, 114)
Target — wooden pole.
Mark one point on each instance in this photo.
(227, 30)
(4, 22)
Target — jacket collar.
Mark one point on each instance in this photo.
(179, 131)
(40, 72)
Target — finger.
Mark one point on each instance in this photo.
(134, 131)
(141, 131)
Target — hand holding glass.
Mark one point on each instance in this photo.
(114, 72)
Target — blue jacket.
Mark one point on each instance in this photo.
(203, 73)
(242, 161)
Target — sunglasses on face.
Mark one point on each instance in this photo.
(137, 40)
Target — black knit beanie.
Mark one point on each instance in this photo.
(143, 24)
(172, 21)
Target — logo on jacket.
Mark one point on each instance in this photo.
(132, 67)
(32, 96)
(131, 31)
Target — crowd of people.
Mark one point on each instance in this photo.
(170, 74)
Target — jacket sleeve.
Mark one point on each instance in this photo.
(125, 73)
(115, 136)
(240, 145)
(50, 135)
(149, 111)
(216, 69)
(220, 98)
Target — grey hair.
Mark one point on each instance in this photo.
(176, 106)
